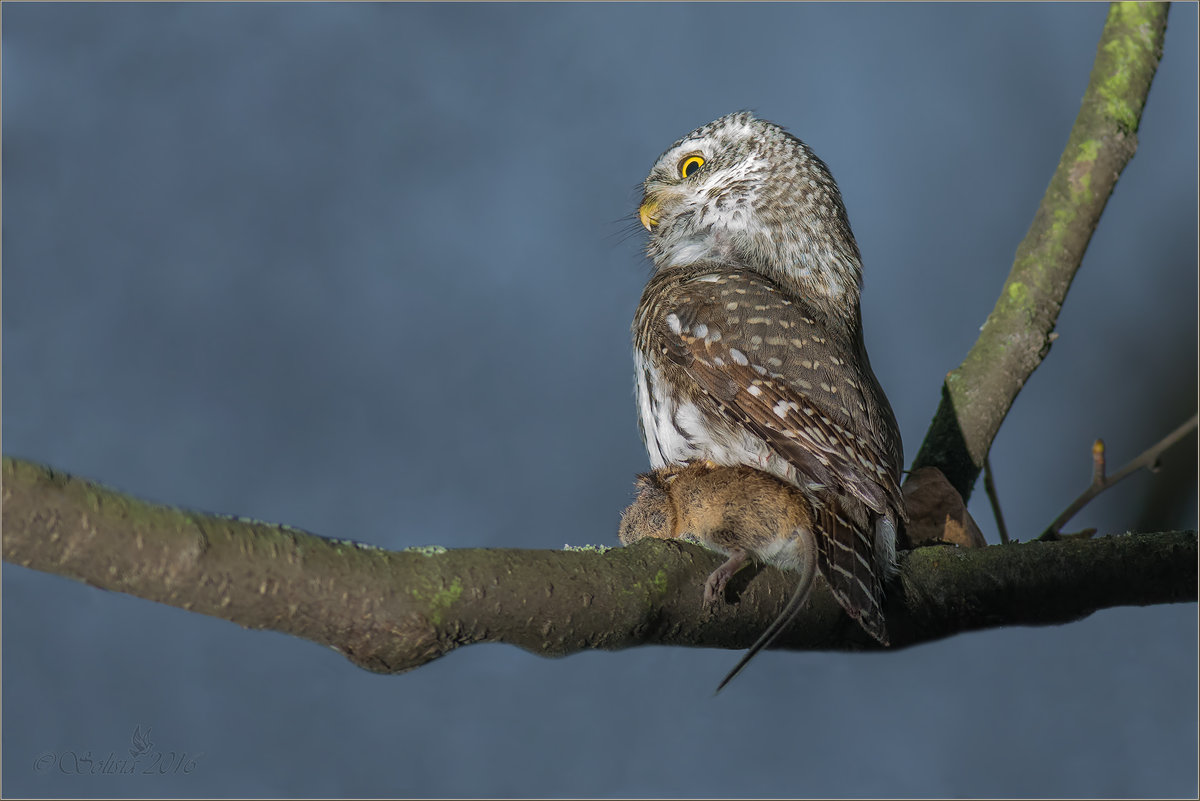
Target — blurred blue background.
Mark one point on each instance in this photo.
(365, 269)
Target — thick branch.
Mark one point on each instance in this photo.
(977, 394)
(393, 611)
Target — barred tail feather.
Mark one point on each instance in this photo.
(846, 558)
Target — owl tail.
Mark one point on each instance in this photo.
(846, 558)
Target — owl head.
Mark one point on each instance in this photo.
(744, 192)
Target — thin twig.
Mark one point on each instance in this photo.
(1098, 462)
(989, 484)
(1148, 460)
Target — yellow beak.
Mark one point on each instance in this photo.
(646, 213)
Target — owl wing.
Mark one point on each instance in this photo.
(768, 366)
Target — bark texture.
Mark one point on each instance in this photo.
(391, 611)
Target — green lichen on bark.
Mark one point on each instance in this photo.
(443, 599)
(1122, 60)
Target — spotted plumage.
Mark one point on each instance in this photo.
(749, 346)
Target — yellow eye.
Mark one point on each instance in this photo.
(689, 165)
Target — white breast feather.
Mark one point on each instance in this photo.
(681, 433)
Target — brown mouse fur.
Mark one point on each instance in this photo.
(737, 511)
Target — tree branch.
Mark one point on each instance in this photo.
(989, 486)
(393, 611)
(977, 395)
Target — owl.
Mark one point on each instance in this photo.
(748, 343)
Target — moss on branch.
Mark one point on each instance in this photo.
(391, 611)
